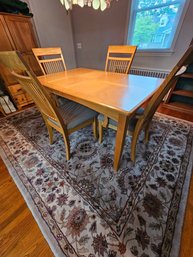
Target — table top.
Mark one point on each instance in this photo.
(120, 92)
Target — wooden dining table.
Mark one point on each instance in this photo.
(115, 95)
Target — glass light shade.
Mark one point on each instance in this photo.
(96, 4)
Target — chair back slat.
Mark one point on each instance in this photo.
(50, 60)
(52, 66)
(119, 58)
(36, 93)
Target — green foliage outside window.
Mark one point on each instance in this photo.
(155, 22)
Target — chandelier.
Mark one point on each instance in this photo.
(96, 4)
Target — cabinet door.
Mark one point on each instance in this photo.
(32, 62)
(21, 31)
(23, 36)
(6, 43)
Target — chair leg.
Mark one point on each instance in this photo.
(134, 143)
(147, 132)
(67, 145)
(100, 124)
(50, 130)
(95, 132)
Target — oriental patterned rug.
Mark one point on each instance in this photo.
(85, 209)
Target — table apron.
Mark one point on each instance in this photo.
(110, 112)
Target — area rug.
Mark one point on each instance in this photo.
(82, 206)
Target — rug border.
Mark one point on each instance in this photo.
(178, 231)
(35, 213)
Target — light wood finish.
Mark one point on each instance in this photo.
(50, 113)
(120, 58)
(18, 227)
(112, 94)
(17, 34)
(21, 98)
(120, 137)
(144, 120)
(50, 60)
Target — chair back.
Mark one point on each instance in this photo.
(25, 76)
(50, 60)
(119, 58)
(167, 84)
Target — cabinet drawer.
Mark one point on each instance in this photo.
(16, 89)
(20, 99)
(28, 97)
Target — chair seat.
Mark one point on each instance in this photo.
(74, 114)
(61, 100)
(132, 121)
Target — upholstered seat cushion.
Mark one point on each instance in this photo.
(74, 114)
(132, 121)
(61, 100)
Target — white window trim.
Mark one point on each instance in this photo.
(155, 52)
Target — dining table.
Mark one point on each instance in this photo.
(115, 95)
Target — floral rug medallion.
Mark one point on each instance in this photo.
(85, 209)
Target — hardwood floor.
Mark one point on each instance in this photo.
(20, 235)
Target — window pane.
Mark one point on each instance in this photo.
(155, 23)
(153, 3)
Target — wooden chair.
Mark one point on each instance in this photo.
(142, 118)
(50, 60)
(120, 58)
(67, 119)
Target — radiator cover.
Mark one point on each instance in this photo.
(149, 72)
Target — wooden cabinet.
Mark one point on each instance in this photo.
(21, 98)
(181, 95)
(17, 34)
(6, 43)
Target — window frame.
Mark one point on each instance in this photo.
(156, 51)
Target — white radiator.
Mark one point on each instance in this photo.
(148, 72)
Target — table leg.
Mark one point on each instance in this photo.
(120, 139)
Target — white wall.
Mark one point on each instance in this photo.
(53, 26)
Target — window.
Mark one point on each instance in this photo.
(154, 23)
